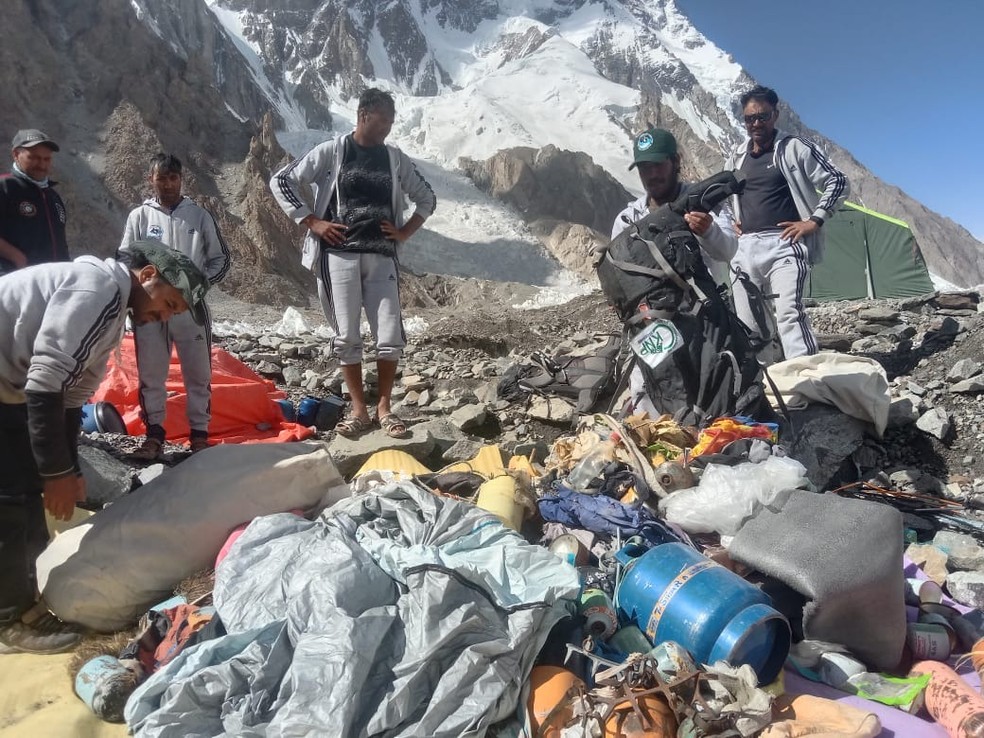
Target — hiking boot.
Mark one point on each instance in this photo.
(44, 635)
(151, 449)
(198, 443)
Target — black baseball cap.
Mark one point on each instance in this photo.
(28, 137)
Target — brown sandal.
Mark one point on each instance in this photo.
(392, 425)
(353, 426)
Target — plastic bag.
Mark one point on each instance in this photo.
(728, 495)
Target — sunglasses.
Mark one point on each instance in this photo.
(754, 118)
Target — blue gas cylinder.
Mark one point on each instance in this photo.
(673, 593)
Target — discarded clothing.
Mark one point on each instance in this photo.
(397, 613)
(725, 430)
(603, 515)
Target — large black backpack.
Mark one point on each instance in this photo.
(654, 277)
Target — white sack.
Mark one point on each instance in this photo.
(108, 571)
(855, 385)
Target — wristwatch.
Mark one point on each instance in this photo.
(818, 220)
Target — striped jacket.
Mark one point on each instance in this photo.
(319, 169)
(189, 228)
(58, 325)
(807, 170)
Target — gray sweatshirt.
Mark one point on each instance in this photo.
(58, 325)
(189, 228)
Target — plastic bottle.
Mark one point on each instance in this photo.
(587, 469)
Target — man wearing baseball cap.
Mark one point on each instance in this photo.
(58, 325)
(655, 156)
(32, 214)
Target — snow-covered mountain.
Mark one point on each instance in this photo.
(517, 110)
(474, 77)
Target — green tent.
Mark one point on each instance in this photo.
(868, 254)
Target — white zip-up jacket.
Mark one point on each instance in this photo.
(319, 169)
(189, 228)
(718, 245)
(58, 325)
(806, 170)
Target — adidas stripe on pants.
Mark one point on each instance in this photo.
(781, 268)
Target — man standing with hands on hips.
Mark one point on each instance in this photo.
(779, 217)
(354, 228)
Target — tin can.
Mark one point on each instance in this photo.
(929, 641)
(598, 612)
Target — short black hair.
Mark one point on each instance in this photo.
(762, 94)
(375, 99)
(165, 163)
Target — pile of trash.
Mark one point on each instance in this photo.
(642, 579)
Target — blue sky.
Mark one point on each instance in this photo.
(898, 83)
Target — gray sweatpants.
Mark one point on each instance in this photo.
(347, 282)
(781, 268)
(194, 343)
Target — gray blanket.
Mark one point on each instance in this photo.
(845, 557)
(397, 613)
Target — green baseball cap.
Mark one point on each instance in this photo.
(655, 145)
(178, 270)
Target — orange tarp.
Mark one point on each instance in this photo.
(244, 407)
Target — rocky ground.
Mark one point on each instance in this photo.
(464, 334)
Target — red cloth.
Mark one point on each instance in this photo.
(244, 408)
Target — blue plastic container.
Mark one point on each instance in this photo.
(287, 408)
(673, 593)
(307, 410)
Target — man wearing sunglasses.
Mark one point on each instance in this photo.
(779, 217)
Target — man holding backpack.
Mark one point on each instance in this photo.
(657, 159)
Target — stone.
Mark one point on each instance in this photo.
(414, 382)
(351, 453)
(462, 450)
(963, 552)
(903, 410)
(930, 559)
(967, 588)
(963, 370)
(469, 417)
(972, 386)
(878, 314)
(267, 369)
(916, 389)
(293, 376)
(957, 301)
(552, 410)
(936, 422)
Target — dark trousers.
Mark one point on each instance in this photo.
(23, 531)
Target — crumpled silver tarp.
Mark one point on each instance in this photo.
(396, 613)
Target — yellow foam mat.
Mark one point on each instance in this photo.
(487, 462)
(392, 460)
(37, 701)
